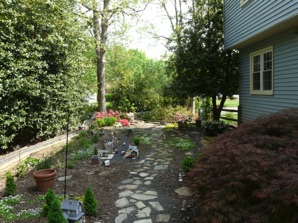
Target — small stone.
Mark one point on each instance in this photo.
(140, 205)
(127, 181)
(163, 218)
(183, 191)
(120, 218)
(143, 197)
(144, 174)
(147, 183)
(126, 193)
(156, 205)
(144, 213)
(120, 203)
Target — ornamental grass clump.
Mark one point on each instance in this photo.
(250, 174)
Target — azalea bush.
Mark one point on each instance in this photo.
(250, 174)
(124, 122)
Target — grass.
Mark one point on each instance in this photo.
(229, 103)
(183, 144)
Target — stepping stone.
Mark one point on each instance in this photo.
(127, 181)
(120, 218)
(147, 183)
(132, 201)
(144, 174)
(156, 205)
(138, 182)
(126, 193)
(163, 218)
(149, 178)
(63, 178)
(184, 191)
(151, 192)
(161, 167)
(144, 213)
(126, 210)
(128, 187)
(133, 173)
(120, 203)
(140, 205)
(143, 197)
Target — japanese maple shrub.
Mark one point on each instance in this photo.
(250, 174)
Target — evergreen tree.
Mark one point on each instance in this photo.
(55, 214)
(90, 203)
(10, 185)
(49, 198)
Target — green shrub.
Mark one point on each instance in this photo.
(249, 174)
(70, 164)
(82, 134)
(10, 185)
(100, 122)
(168, 113)
(45, 164)
(48, 199)
(90, 203)
(213, 128)
(83, 154)
(136, 141)
(55, 214)
(187, 163)
(110, 121)
(25, 165)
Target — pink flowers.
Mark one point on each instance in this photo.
(124, 122)
(111, 113)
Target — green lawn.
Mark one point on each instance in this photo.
(230, 103)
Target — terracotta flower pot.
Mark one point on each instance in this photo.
(45, 179)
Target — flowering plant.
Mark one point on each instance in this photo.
(124, 122)
(109, 113)
(179, 117)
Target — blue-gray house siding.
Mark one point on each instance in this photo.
(256, 26)
(257, 20)
(285, 77)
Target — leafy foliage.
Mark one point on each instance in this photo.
(187, 163)
(250, 174)
(10, 185)
(90, 203)
(49, 198)
(213, 128)
(25, 165)
(55, 214)
(136, 81)
(41, 63)
(202, 66)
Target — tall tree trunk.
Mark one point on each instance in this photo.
(101, 36)
(97, 50)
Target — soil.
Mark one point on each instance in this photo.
(105, 180)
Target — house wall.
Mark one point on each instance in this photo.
(252, 19)
(285, 95)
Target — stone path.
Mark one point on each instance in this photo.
(138, 202)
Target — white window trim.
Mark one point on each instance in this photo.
(261, 91)
(243, 2)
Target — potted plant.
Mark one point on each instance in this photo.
(95, 157)
(45, 176)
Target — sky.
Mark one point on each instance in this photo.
(142, 38)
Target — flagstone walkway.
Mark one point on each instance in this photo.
(138, 202)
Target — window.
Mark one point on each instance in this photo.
(243, 2)
(261, 72)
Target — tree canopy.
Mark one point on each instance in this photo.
(41, 65)
(203, 67)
